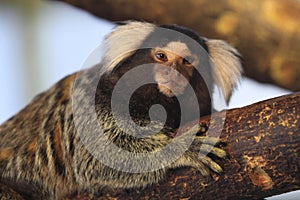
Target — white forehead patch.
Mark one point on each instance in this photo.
(178, 48)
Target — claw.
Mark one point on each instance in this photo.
(208, 140)
(202, 129)
(202, 169)
(211, 164)
(214, 150)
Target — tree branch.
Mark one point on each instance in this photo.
(263, 145)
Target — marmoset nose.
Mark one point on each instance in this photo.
(177, 62)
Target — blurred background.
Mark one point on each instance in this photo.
(43, 41)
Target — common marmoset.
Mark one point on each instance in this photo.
(51, 148)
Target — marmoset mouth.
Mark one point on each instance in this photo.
(170, 88)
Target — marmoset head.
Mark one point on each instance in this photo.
(180, 50)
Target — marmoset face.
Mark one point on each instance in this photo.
(175, 67)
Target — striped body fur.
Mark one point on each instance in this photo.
(34, 147)
(42, 157)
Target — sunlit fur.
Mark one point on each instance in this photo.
(226, 65)
(123, 41)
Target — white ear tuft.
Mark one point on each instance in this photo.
(226, 66)
(124, 41)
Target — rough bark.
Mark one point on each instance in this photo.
(266, 32)
(263, 145)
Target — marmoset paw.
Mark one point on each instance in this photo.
(203, 151)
